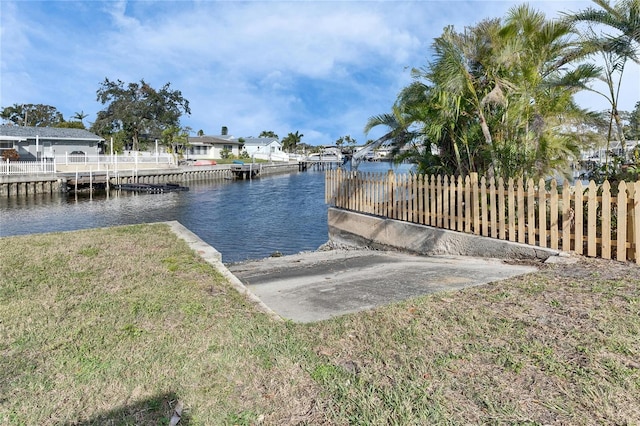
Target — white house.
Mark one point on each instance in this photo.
(210, 147)
(38, 143)
(265, 149)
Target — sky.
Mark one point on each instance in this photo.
(321, 68)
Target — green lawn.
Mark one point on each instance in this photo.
(115, 326)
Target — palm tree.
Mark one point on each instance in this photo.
(291, 141)
(80, 116)
(617, 45)
(495, 100)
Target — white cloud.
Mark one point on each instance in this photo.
(321, 68)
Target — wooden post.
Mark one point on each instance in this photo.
(520, 209)
(502, 208)
(631, 225)
(531, 213)
(542, 214)
(553, 214)
(475, 202)
(592, 225)
(460, 204)
(621, 237)
(389, 196)
(605, 233)
(483, 207)
(636, 221)
(579, 219)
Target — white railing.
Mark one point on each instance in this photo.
(26, 167)
(131, 158)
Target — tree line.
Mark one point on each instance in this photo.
(498, 97)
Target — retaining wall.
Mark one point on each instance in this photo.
(359, 229)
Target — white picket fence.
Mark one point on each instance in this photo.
(95, 163)
(27, 167)
(132, 158)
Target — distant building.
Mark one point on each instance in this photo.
(210, 147)
(38, 143)
(265, 149)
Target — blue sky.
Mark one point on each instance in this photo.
(320, 68)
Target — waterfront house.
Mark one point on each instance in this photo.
(210, 147)
(265, 149)
(43, 143)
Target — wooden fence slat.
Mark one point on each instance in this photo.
(467, 205)
(420, 198)
(511, 205)
(445, 202)
(484, 214)
(621, 237)
(501, 210)
(475, 202)
(631, 204)
(636, 221)
(605, 233)
(567, 218)
(578, 218)
(553, 214)
(493, 208)
(440, 201)
(520, 208)
(452, 202)
(433, 213)
(542, 214)
(592, 205)
(531, 213)
(460, 200)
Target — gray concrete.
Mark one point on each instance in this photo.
(213, 257)
(381, 233)
(319, 285)
(316, 286)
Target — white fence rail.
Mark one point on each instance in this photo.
(96, 163)
(26, 167)
(132, 158)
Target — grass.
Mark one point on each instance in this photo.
(115, 326)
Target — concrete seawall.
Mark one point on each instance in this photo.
(28, 184)
(363, 230)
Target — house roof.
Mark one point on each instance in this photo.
(260, 141)
(27, 132)
(217, 139)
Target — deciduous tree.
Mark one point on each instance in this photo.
(138, 109)
(36, 115)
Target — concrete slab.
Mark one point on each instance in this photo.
(315, 286)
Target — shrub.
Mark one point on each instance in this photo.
(10, 154)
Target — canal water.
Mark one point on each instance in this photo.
(241, 219)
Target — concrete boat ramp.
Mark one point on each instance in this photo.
(315, 286)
